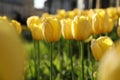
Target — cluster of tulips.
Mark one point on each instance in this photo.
(77, 25)
(82, 26)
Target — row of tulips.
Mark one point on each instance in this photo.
(78, 25)
(90, 22)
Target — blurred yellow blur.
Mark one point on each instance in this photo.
(109, 68)
(12, 53)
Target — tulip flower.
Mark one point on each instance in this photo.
(12, 53)
(45, 15)
(4, 17)
(51, 29)
(17, 26)
(33, 21)
(81, 28)
(118, 31)
(101, 23)
(67, 28)
(76, 11)
(100, 46)
(67, 34)
(109, 67)
(112, 12)
(61, 13)
(37, 32)
(118, 28)
(70, 14)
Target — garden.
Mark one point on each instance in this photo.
(71, 45)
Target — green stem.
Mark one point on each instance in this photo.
(89, 59)
(82, 60)
(61, 55)
(71, 59)
(51, 68)
(38, 58)
(35, 59)
(88, 47)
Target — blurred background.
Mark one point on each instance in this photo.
(21, 9)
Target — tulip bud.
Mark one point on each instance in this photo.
(67, 28)
(101, 23)
(44, 15)
(70, 14)
(81, 28)
(37, 32)
(61, 13)
(32, 21)
(109, 68)
(100, 46)
(76, 11)
(51, 29)
(12, 53)
(112, 12)
(17, 26)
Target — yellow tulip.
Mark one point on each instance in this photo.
(76, 11)
(119, 22)
(33, 21)
(51, 29)
(45, 15)
(35, 25)
(61, 13)
(118, 28)
(101, 23)
(67, 28)
(100, 46)
(109, 68)
(112, 12)
(118, 31)
(70, 14)
(81, 28)
(37, 32)
(4, 17)
(17, 25)
(12, 53)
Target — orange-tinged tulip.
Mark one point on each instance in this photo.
(33, 21)
(67, 28)
(17, 26)
(109, 68)
(81, 28)
(100, 46)
(12, 53)
(37, 32)
(51, 29)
